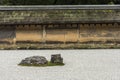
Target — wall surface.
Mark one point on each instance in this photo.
(100, 33)
(29, 33)
(60, 26)
(67, 33)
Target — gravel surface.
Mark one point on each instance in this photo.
(79, 65)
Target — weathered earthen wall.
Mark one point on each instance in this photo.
(7, 34)
(70, 33)
(100, 33)
(62, 33)
(60, 26)
(28, 33)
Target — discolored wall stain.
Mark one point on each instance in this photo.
(29, 33)
(99, 32)
(7, 32)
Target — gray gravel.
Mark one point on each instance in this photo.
(80, 65)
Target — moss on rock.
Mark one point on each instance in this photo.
(44, 65)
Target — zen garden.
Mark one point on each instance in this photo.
(59, 39)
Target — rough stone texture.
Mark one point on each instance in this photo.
(60, 16)
(56, 58)
(34, 60)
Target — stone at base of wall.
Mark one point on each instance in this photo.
(59, 46)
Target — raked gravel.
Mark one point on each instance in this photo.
(79, 65)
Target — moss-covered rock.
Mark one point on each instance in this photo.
(56, 59)
(34, 60)
(40, 61)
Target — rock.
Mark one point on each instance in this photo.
(56, 58)
(34, 60)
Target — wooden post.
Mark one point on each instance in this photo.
(78, 32)
(81, 26)
(14, 41)
(64, 37)
(44, 33)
